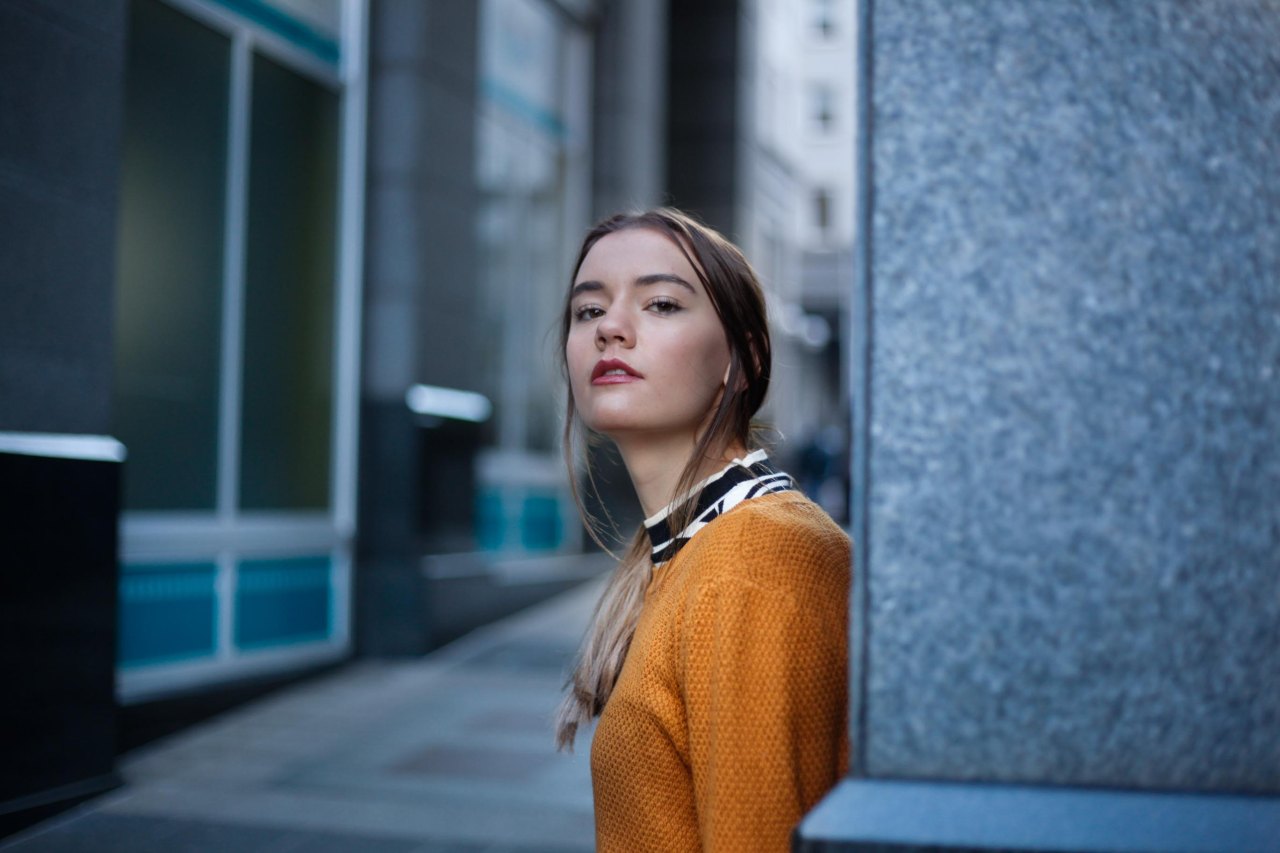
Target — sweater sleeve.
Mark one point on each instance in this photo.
(765, 681)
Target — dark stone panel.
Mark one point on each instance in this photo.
(704, 119)
(703, 167)
(56, 361)
(104, 20)
(702, 105)
(58, 623)
(704, 34)
(1075, 394)
(60, 106)
(391, 615)
(60, 114)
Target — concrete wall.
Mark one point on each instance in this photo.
(60, 110)
(420, 291)
(1074, 377)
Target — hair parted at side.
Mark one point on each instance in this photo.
(738, 300)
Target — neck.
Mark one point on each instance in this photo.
(655, 466)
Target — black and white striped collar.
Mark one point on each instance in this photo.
(741, 480)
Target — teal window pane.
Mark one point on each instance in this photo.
(491, 520)
(169, 292)
(168, 612)
(284, 601)
(540, 527)
(289, 292)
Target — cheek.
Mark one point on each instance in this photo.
(708, 356)
(578, 359)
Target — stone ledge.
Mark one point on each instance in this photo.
(882, 815)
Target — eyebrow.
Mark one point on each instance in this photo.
(651, 278)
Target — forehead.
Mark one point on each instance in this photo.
(633, 252)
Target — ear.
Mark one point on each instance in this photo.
(741, 384)
(754, 348)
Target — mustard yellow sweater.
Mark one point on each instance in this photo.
(728, 720)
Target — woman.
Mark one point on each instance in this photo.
(716, 660)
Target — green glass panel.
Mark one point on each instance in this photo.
(289, 292)
(169, 292)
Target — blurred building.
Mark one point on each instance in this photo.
(303, 259)
(798, 225)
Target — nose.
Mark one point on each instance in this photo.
(615, 327)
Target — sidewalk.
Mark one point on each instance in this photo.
(450, 752)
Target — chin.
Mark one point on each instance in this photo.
(612, 426)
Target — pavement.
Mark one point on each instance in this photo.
(449, 753)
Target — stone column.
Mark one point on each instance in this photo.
(629, 107)
(420, 293)
(61, 105)
(708, 126)
(1067, 398)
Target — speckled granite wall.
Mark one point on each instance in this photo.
(1074, 567)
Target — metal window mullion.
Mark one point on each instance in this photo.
(230, 408)
(340, 598)
(347, 314)
(267, 43)
(351, 190)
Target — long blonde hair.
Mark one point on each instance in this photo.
(738, 299)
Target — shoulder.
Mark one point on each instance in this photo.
(782, 541)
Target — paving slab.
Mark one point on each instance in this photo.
(453, 752)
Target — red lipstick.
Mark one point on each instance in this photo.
(613, 371)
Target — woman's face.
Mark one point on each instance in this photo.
(646, 351)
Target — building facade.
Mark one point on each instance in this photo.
(302, 263)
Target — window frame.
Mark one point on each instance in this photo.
(227, 535)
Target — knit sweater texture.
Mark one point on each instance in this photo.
(728, 720)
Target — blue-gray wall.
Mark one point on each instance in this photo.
(61, 103)
(1073, 473)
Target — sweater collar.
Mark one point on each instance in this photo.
(742, 479)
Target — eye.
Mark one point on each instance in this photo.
(583, 313)
(664, 305)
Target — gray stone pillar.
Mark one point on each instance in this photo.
(420, 292)
(629, 107)
(1067, 388)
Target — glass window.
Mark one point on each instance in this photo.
(822, 210)
(228, 395)
(531, 186)
(824, 103)
(824, 18)
(170, 259)
(289, 293)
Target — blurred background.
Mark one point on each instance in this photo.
(345, 233)
(320, 249)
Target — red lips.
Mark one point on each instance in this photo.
(600, 375)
